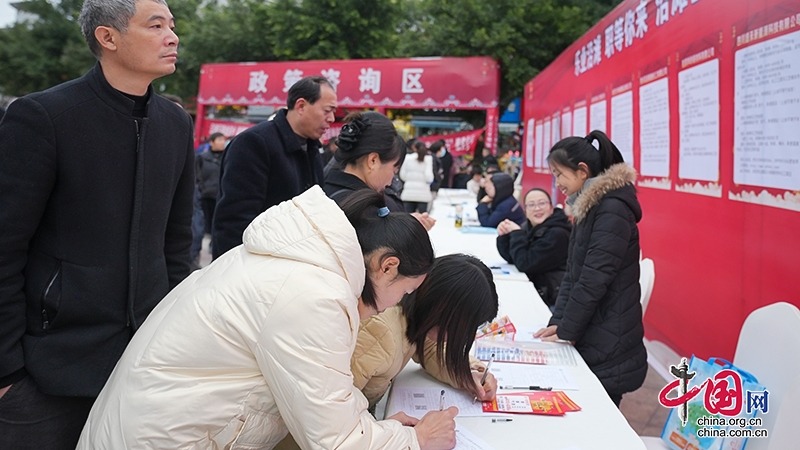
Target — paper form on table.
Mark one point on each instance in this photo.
(556, 377)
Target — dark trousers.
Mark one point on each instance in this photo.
(32, 420)
(208, 212)
(419, 207)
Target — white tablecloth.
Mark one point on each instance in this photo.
(598, 426)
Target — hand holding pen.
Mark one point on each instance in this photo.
(487, 382)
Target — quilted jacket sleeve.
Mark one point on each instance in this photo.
(607, 244)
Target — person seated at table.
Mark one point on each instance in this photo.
(474, 184)
(499, 203)
(370, 154)
(487, 175)
(598, 304)
(540, 246)
(259, 343)
(435, 326)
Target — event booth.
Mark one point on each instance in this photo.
(416, 83)
(702, 99)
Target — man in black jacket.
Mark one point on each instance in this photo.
(96, 179)
(272, 161)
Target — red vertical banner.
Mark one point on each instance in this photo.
(492, 116)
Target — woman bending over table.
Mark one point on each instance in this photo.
(259, 343)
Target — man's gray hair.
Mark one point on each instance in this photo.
(106, 13)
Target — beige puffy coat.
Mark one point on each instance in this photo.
(257, 344)
(382, 351)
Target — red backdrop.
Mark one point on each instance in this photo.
(721, 249)
(411, 83)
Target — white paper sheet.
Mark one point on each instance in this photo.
(416, 402)
(622, 124)
(654, 137)
(767, 112)
(698, 104)
(557, 377)
(465, 440)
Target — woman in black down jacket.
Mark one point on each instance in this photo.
(539, 247)
(598, 305)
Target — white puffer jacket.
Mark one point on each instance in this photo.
(417, 177)
(258, 342)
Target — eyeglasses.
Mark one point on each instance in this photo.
(540, 205)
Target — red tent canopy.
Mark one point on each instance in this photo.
(456, 83)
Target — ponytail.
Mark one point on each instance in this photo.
(571, 151)
(393, 234)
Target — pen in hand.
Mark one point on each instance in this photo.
(527, 388)
(441, 401)
(485, 373)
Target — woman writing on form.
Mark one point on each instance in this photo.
(259, 343)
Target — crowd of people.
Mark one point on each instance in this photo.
(324, 282)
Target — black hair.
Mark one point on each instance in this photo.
(547, 194)
(476, 170)
(370, 132)
(214, 136)
(571, 151)
(436, 146)
(421, 149)
(503, 187)
(396, 234)
(308, 88)
(457, 296)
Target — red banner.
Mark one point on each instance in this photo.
(457, 143)
(229, 129)
(701, 98)
(461, 83)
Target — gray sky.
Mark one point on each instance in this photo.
(7, 13)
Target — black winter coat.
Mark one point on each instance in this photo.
(339, 185)
(540, 252)
(262, 166)
(94, 228)
(207, 168)
(598, 305)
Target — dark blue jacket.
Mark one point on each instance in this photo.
(509, 209)
(261, 167)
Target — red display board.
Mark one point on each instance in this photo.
(412, 83)
(457, 143)
(703, 98)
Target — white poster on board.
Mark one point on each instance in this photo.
(579, 122)
(698, 103)
(597, 116)
(766, 142)
(547, 142)
(622, 124)
(654, 128)
(529, 142)
(566, 125)
(537, 158)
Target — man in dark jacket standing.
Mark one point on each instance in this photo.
(207, 174)
(96, 179)
(272, 161)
